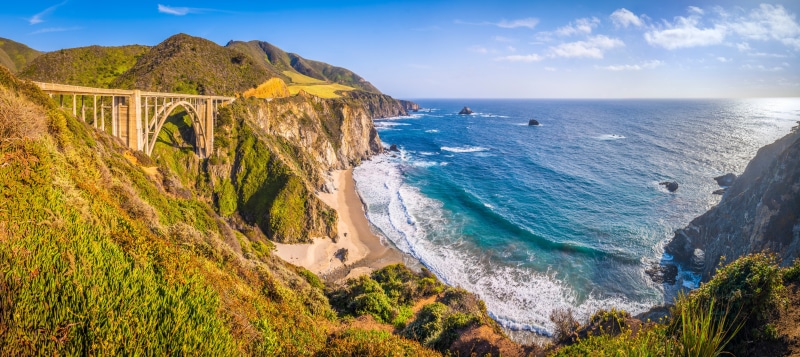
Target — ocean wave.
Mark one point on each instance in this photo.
(464, 149)
(389, 123)
(609, 137)
(517, 297)
(432, 131)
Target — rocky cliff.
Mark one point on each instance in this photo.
(409, 105)
(760, 211)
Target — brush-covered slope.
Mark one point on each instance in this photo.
(102, 253)
(92, 66)
(15, 56)
(283, 61)
(193, 65)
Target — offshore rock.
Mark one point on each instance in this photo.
(672, 186)
(725, 180)
(720, 191)
(465, 111)
(533, 122)
(394, 148)
(760, 211)
(663, 274)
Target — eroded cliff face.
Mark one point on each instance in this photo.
(272, 155)
(760, 211)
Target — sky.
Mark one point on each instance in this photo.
(471, 49)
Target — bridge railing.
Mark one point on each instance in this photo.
(79, 90)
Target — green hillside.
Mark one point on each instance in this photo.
(92, 66)
(15, 56)
(283, 61)
(193, 65)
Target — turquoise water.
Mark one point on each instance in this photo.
(564, 215)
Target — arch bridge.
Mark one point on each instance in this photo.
(137, 116)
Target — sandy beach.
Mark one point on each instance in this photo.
(365, 250)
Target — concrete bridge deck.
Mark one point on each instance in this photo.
(137, 116)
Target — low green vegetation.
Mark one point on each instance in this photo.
(731, 313)
(93, 66)
(15, 56)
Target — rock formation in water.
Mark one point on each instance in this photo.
(533, 122)
(465, 111)
(671, 186)
(760, 211)
(725, 180)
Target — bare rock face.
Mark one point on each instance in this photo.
(725, 180)
(533, 122)
(465, 111)
(759, 211)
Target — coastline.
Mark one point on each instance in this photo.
(366, 251)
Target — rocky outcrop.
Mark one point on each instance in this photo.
(725, 180)
(377, 105)
(760, 211)
(409, 105)
(671, 186)
(465, 111)
(533, 122)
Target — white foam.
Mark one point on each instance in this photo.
(389, 123)
(464, 149)
(428, 153)
(517, 297)
(609, 137)
(432, 131)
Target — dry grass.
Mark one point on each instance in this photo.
(20, 118)
(299, 78)
(321, 90)
(272, 88)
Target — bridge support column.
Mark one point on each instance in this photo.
(208, 126)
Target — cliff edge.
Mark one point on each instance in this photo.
(759, 212)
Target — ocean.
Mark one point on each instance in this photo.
(565, 215)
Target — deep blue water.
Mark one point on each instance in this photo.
(564, 215)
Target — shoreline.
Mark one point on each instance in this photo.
(366, 251)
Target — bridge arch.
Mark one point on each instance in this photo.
(199, 129)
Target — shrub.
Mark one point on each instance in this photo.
(792, 273)
(20, 118)
(565, 324)
(365, 343)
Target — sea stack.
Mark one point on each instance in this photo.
(465, 111)
(533, 122)
(672, 186)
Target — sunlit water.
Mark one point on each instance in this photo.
(564, 215)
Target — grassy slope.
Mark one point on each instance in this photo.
(15, 56)
(290, 62)
(97, 258)
(92, 66)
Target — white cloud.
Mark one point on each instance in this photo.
(579, 27)
(624, 18)
(512, 48)
(762, 68)
(724, 60)
(177, 11)
(684, 33)
(632, 67)
(520, 58)
(529, 22)
(743, 47)
(769, 22)
(55, 29)
(696, 10)
(593, 47)
(39, 18)
(550, 69)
